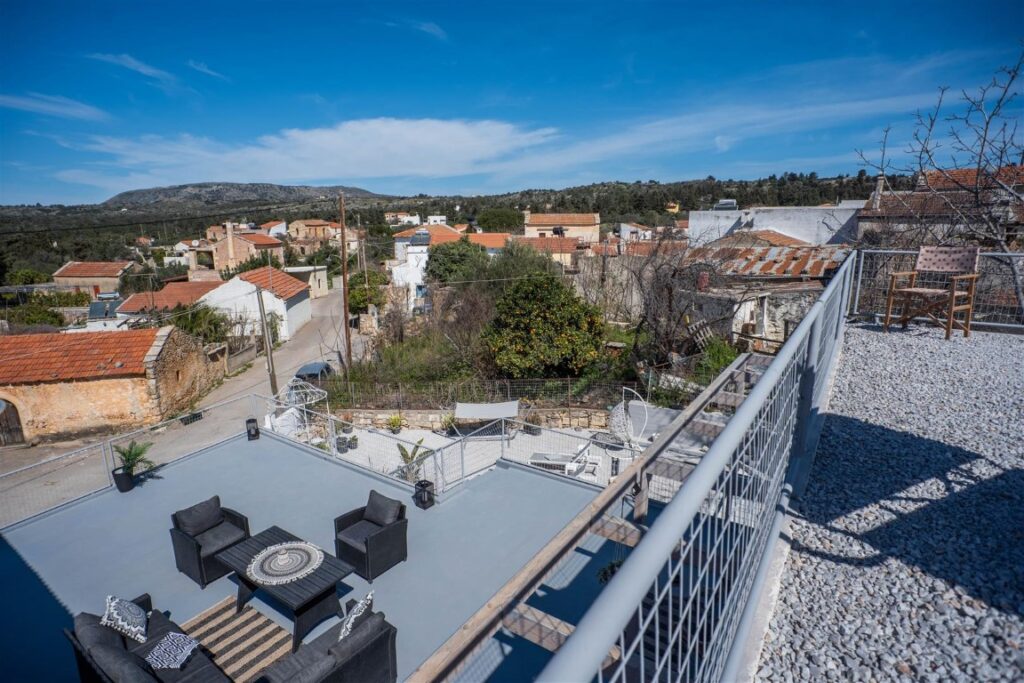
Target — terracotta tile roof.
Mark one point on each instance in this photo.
(563, 219)
(271, 224)
(772, 262)
(172, 295)
(259, 239)
(461, 227)
(490, 240)
(283, 285)
(434, 230)
(683, 224)
(33, 358)
(967, 178)
(92, 269)
(639, 248)
(553, 245)
(758, 238)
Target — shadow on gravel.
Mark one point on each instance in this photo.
(966, 530)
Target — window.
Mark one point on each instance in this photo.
(177, 375)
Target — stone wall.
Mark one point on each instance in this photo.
(78, 408)
(560, 418)
(180, 373)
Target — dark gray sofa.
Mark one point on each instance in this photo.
(104, 655)
(366, 655)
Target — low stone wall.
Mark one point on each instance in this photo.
(237, 360)
(560, 418)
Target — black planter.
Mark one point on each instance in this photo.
(124, 481)
(347, 429)
(424, 495)
(395, 430)
(532, 430)
(352, 445)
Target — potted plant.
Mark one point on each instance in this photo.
(341, 444)
(533, 423)
(411, 468)
(133, 458)
(394, 423)
(447, 423)
(353, 442)
(346, 423)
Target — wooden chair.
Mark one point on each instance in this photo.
(960, 264)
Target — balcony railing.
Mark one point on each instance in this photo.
(680, 606)
(996, 302)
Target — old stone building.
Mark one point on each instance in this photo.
(584, 226)
(63, 385)
(94, 277)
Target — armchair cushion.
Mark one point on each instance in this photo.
(200, 517)
(218, 538)
(382, 510)
(122, 666)
(349, 646)
(357, 534)
(91, 633)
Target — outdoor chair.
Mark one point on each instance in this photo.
(372, 538)
(960, 265)
(202, 531)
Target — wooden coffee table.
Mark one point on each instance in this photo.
(310, 599)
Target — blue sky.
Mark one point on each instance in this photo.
(100, 97)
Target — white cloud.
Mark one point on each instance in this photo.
(203, 69)
(53, 105)
(132, 64)
(362, 148)
(431, 29)
(724, 142)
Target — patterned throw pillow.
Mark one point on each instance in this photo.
(358, 610)
(172, 651)
(125, 617)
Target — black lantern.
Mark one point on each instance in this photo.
(424, 496)
(252, 429)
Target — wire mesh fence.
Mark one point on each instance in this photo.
(541, 393)
(674, 610)
(996, 299)
(38, 487)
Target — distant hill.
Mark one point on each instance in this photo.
(210, 194)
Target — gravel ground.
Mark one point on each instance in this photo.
(908, 561)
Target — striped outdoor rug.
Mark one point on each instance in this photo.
(242, 644)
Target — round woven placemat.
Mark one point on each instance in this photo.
(284, 563)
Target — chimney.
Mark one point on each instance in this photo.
(231, 244)
(703, 281)
(876, 198)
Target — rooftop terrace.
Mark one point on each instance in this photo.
(460, 552)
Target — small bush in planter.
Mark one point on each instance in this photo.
(341, 444)
(133, 458)
(394, 423)
(447, 423)
(353, 442)
(533, 423)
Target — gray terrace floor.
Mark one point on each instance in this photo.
(907, 558)
(460, 552)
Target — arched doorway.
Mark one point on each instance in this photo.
(10, 424)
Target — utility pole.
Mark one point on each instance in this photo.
(344, 281)
(268, 344)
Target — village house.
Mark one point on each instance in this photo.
(285, 301)
(215, 233)
(437, 220)
(756, 296)
(173, 295)
(314, 276)
(235, 249)
(584, 226)
(274, 228)
(828, 224)
(101, 316)
(94, 277)
(563, 250)
(65, 385)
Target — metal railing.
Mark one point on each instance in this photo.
(39, 487)
(679, 607)
(995, 300)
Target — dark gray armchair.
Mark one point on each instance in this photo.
(202, 531)
(372, 538)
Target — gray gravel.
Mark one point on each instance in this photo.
(908, 561)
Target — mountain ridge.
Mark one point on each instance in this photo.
(226, 193)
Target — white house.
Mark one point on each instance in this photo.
(274, 228)
(408, 275)
(284, 297)
(409, 219)
(437, 220)
(832, 224)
